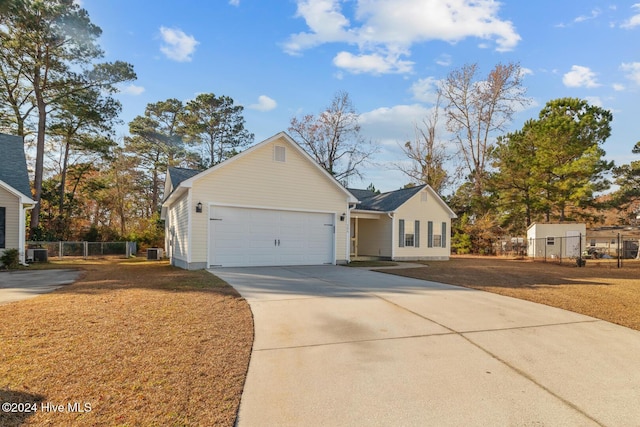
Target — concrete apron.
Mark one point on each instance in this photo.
(24, 284)
(342, 346)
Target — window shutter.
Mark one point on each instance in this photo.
(444, 234)
(430, 234)
(416, 233)
(401, 233)
(3, 216)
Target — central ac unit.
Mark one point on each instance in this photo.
(154, 254)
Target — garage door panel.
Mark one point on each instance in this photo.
(260, 237)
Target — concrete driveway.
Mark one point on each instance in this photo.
(342, 346)
(24, 284)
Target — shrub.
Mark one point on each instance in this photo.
(10, 258)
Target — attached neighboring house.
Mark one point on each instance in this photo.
(403, 225)
(562, 240)
(273, 204)
(15, 194)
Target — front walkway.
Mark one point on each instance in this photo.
(343, 346)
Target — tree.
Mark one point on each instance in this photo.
(570, 133)
(83, 125)
(554, 164)
(217, 124)
(156, 142)
(627, 198)
(515, 180)
(427, 155)
(47, 49)
(333, 138)
(478, 109)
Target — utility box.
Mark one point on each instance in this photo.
(154, 254)
(38, 255)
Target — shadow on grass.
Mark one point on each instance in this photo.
(18, 406)
(113, 275)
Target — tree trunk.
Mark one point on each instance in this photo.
(39, 170)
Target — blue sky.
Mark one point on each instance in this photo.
(285, 58)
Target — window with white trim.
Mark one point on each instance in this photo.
(551, 241)
(3, 216)
(409, 234)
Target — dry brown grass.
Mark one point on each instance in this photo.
(600, 289)
(142, 343)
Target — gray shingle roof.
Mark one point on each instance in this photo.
(361, 194)
(178, 175)
(386, 202)
(13, 163)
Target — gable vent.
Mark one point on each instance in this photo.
(423, 196)
(279, 153)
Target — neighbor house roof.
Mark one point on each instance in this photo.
(178, 175)
(13, 164)
(361, 194)
(385, 202)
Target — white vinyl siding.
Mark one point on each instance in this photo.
(257, 181)
(12, 225)
(430, 222)
(179, 228)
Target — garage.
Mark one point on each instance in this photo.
(241, 237)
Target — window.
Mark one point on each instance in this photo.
(430, 234)
(409, 239)
(409, 233)
(551, 241)
(593, 242)
(279, 153)
(3, 216)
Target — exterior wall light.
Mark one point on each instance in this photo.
(199, 207)
(343, 216)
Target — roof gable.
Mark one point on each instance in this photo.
(392, 200)
(13, 165)
(188, 182)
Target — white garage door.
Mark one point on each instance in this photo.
(259, 237)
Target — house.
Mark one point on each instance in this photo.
(565, 240)
(273, 204)
(403, 225)
(15, 194)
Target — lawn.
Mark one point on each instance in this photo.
(136, 342)
(600, 289)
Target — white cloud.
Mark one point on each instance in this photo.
(634, 21)
(633, 71)
(425, 90)
(264, 104)
(385, 30)
(234, 2)
(391, 125)
(594, 14)
(444, 60)
(594, 100)
(177, 45)
(132, 89)
(618, 87)
(373, 63)
(580, 76)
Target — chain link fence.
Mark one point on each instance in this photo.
(578, 249)
(42, 251)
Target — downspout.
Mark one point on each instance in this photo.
(393, 235)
